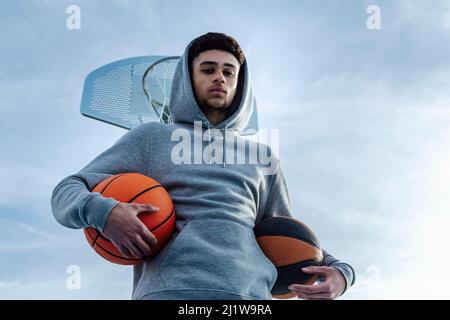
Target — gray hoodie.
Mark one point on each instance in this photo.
(213, 253)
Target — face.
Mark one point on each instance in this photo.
(215, 77)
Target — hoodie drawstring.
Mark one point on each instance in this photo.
(209, 144)
(224, 146)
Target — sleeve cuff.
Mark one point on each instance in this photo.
(96, 210)
(347, 274)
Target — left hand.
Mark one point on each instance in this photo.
(331, 288)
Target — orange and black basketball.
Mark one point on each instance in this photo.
(291, 246)
(135, 188)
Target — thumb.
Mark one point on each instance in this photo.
(148, 208)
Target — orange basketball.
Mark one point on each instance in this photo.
(135, 188)
(290, 245)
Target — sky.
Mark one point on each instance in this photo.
(363, 116)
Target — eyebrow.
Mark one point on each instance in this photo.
(215, 64)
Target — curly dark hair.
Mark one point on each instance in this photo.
(218, 41)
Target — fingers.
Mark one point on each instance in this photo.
(314, 292)
(315, 296)
(149, 237)
(310, 289)
(125, 252)
(143, 241)
(140, 208)
(333, 286)
(143, 247)
(135, 251)
(322, 271)
(128, 233)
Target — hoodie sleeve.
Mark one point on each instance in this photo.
(74, 206)
(344, 268)
(278, 204)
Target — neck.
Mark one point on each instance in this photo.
(215, 116)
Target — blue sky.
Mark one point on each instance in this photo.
(363, 118)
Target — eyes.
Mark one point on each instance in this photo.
(227, 73)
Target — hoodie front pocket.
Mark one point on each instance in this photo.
(218, 254)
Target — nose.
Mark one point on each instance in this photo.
(219, 77)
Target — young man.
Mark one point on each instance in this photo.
(213, 253)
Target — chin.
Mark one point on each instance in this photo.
(216, 104)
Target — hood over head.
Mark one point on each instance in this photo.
(184, 108)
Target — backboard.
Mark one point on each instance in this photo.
(129, 92)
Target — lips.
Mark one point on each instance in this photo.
(218, 90)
